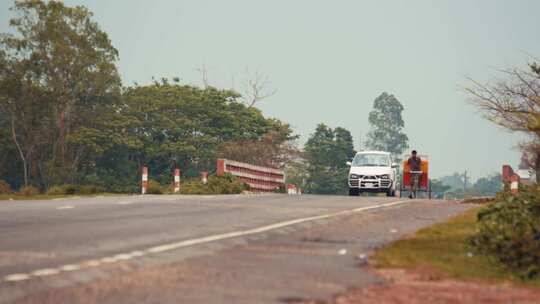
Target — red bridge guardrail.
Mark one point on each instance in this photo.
(262, 179)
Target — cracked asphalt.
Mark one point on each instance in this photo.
(310, 260)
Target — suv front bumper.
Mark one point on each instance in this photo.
(370, 184)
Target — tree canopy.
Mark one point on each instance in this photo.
(386, 126)
(65, 118)
(327, 151)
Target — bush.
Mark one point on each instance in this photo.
(91, 189)
(154, 188)
(5, 188)
(509, 232)
(66, 189)
(226, 184)
(56, 190)
(29, 191)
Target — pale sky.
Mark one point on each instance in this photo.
(330, 59)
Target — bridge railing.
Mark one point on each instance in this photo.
(259, 178)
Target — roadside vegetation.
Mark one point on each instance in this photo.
(68, 126)
(498, 242)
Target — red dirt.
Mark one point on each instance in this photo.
(415, 287)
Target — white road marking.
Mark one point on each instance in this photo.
(91, 263)
(122, 257)
(124, 203)
(16, 277)
(212, 238)
(70, 267)
(186, 243)
(64, 207)
(108, 260)
(45, 272)
(137, 254)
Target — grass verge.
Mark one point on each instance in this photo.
(443, 250)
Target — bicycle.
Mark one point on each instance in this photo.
(415, 182)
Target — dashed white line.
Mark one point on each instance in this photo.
(186, 243)
(70, 267)
(124, 203)
(16, 277)
(172, 246)
(64, 207)
(108, 260)
(91, 263)
(45, 272)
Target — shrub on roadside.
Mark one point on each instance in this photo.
(56, 190)
(69, 189)
(91, 189)
(29, 191)
(154, 188)
(509, 232)
(66, 189)
(226, 184)
(5, 188)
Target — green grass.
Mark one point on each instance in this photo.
(443, 249)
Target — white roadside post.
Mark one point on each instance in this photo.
(204, 177)
(176, 180)
(144, 180)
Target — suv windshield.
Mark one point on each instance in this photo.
(371, 160)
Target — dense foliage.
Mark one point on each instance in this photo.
(327, 152)
(386, 126)
(226, 184)
(65, 119)
(509, 232)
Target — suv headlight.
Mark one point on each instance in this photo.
(354, 176)
(385, 176)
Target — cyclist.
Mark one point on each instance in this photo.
(415, 169)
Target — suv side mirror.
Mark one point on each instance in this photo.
(394, 165)
(348, 163)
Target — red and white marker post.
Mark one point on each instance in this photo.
(144, 184)
(176, 180)
(514, 184)
(204, 177)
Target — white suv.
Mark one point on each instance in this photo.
(372, 171)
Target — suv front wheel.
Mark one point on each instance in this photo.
(354, 191)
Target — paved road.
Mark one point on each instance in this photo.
(48, 248)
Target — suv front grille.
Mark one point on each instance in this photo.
(374, 181)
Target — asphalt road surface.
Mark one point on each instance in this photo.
(198, 249)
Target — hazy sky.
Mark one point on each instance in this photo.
(330, 59)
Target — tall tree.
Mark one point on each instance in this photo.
(514, 103)
(61, 76)
(327, 152)
(386, 126)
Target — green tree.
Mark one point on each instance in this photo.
(489, 185)
(327, 152)
(185, 126)
(59, 77)
(386, 126)
(438, 187)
